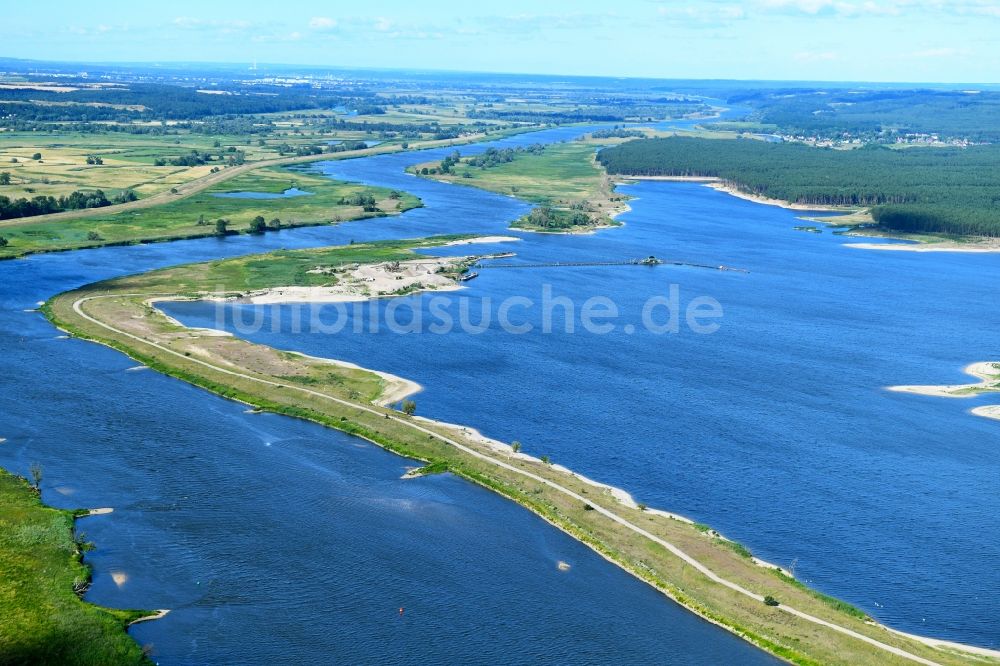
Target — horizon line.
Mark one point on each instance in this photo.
(431, 70)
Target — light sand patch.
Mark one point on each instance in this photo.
(674, 179)
(154, 616)
(209, 333)
(987, 372)
(483, 239)
(943, 644)
(771, 565)
(768, 201)
(987, 411)
(396, 388)
(365, 281)
(120, 577)
(929, 247)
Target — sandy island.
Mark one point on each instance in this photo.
(360, 282)
(987, 411)
(987, 372)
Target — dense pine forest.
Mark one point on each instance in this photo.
(946, 190)
(877, 114)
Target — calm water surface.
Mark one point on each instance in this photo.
(776, 430)
(278, 540)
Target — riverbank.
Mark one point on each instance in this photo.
(701, 571)
(42, 576)
(722, 186)
(140, 221)
(573, 193)
(937, 246)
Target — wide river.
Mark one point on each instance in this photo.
(275, 539)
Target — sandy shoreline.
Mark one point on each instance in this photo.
(718, 184)
(927, 247)
(780, 203)
(987, 372)
(479, 240)
(987, 411)
(396, 388)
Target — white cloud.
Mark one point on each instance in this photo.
(708, 12)
(322, 23)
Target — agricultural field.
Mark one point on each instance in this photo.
(328, 202)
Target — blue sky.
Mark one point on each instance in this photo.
(860, 40)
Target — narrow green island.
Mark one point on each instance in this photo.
(712, 576)
(573, 193)
(43, 620)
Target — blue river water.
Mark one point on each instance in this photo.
(272, 539)
(776, 430)
(287, 194)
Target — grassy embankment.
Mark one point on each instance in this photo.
(664, 551)
(42, 620)
(180, 219)
(572, 191)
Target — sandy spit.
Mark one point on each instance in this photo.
(928, 247)
(986, 372)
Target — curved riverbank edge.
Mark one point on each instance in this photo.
(198, 185)
(611, 207)
(44, 577)
(988, 374)
(601, 521)
(847, 217)
(719, 184)
(943, 246)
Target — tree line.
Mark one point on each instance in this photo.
(43, 205)
(949, 190)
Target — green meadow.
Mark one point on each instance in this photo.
(42, 620)
(329, 202)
